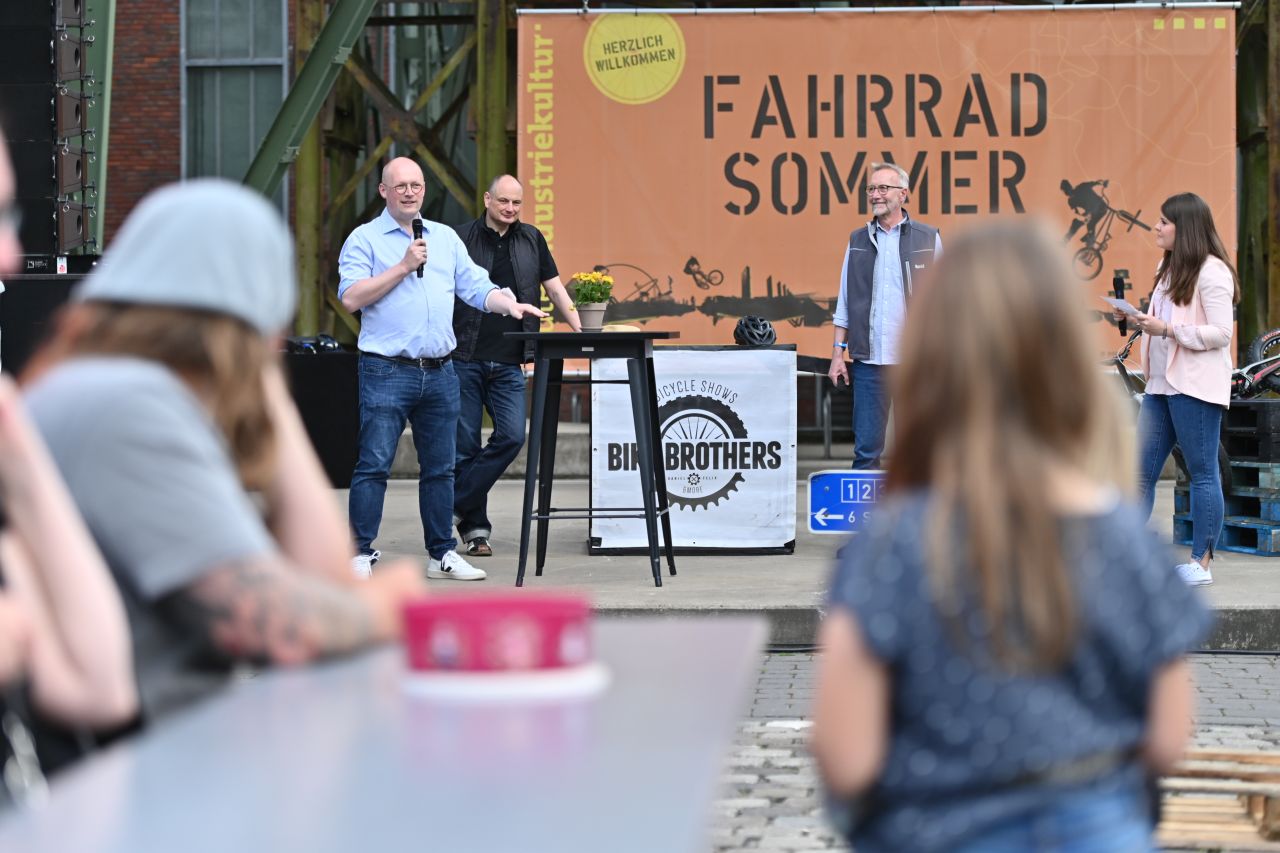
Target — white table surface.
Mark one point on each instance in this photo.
(341, 758)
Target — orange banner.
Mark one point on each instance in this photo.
(714, 165)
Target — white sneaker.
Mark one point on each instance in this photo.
(362, 565)
(453, 567)
(1194, 574)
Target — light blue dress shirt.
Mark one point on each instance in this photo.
(888, 296)
(414, 318)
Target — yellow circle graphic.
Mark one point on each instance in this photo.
(634, 59)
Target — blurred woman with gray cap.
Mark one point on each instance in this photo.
(162, 398)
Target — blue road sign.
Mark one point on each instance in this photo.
(841, 501)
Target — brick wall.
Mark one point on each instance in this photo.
(145, 146)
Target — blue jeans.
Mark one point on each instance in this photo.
(499, 389)
(870, 412)
(1085, 821)
(392, 392)
(1194, 425)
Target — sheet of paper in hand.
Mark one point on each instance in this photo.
(1120, 305)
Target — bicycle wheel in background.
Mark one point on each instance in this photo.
(1087, 263)
(1265, 346)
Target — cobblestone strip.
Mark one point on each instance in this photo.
(1239, 690)
(1230, 689)
(784, 688)
(1243, 738)
(770, 799)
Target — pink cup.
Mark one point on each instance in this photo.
(497, 633)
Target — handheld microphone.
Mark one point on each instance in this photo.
(417, 235)
(1117, 287)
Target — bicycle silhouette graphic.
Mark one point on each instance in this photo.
(704, 280)
(1088, 201)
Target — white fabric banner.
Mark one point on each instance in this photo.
(728, 421)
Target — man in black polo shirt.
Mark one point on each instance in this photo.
(487, 363)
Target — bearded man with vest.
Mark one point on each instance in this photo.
(882, 260)
(488, 364)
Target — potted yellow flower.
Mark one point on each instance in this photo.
(591, 294)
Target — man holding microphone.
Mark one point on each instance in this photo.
(404, 286)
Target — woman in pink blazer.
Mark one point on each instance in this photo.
(1186, 360)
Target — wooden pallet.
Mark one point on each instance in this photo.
(1252, 522)
(1261, 475)
(1251, 430)
(1222, 800)
(1260, 416)
(1249, 446)
(1243, 502)
(1239, 533)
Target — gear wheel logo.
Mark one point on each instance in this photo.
(687, 422)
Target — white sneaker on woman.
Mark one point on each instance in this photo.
(1194, 574)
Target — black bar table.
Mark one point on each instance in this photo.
(550, 351)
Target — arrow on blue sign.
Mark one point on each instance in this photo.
(822, 516)
(841, 501)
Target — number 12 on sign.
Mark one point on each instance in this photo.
(842, 501)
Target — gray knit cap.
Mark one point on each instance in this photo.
(208, 244)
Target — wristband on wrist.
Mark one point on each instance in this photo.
(841, 345)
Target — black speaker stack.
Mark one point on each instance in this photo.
(45, 95)
(46, 91)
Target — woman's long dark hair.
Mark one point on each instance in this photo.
(1195, 238)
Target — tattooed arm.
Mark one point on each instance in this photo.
(154, 482)
(265, 609)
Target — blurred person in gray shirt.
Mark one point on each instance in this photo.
(163, 399)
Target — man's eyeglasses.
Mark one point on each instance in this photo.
(406, 189)
(881, 189)
(10, 217)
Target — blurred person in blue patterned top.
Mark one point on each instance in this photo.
(1004, 658)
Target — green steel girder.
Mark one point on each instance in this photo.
(100, 61)
(490, 101)
(451, 65)
(308, 170)
(402, 125)
(307, 95)
(348, 189)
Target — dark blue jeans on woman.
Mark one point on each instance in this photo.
(392, 392)
(1194, 426)
(499, 389)
(1076, 821)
